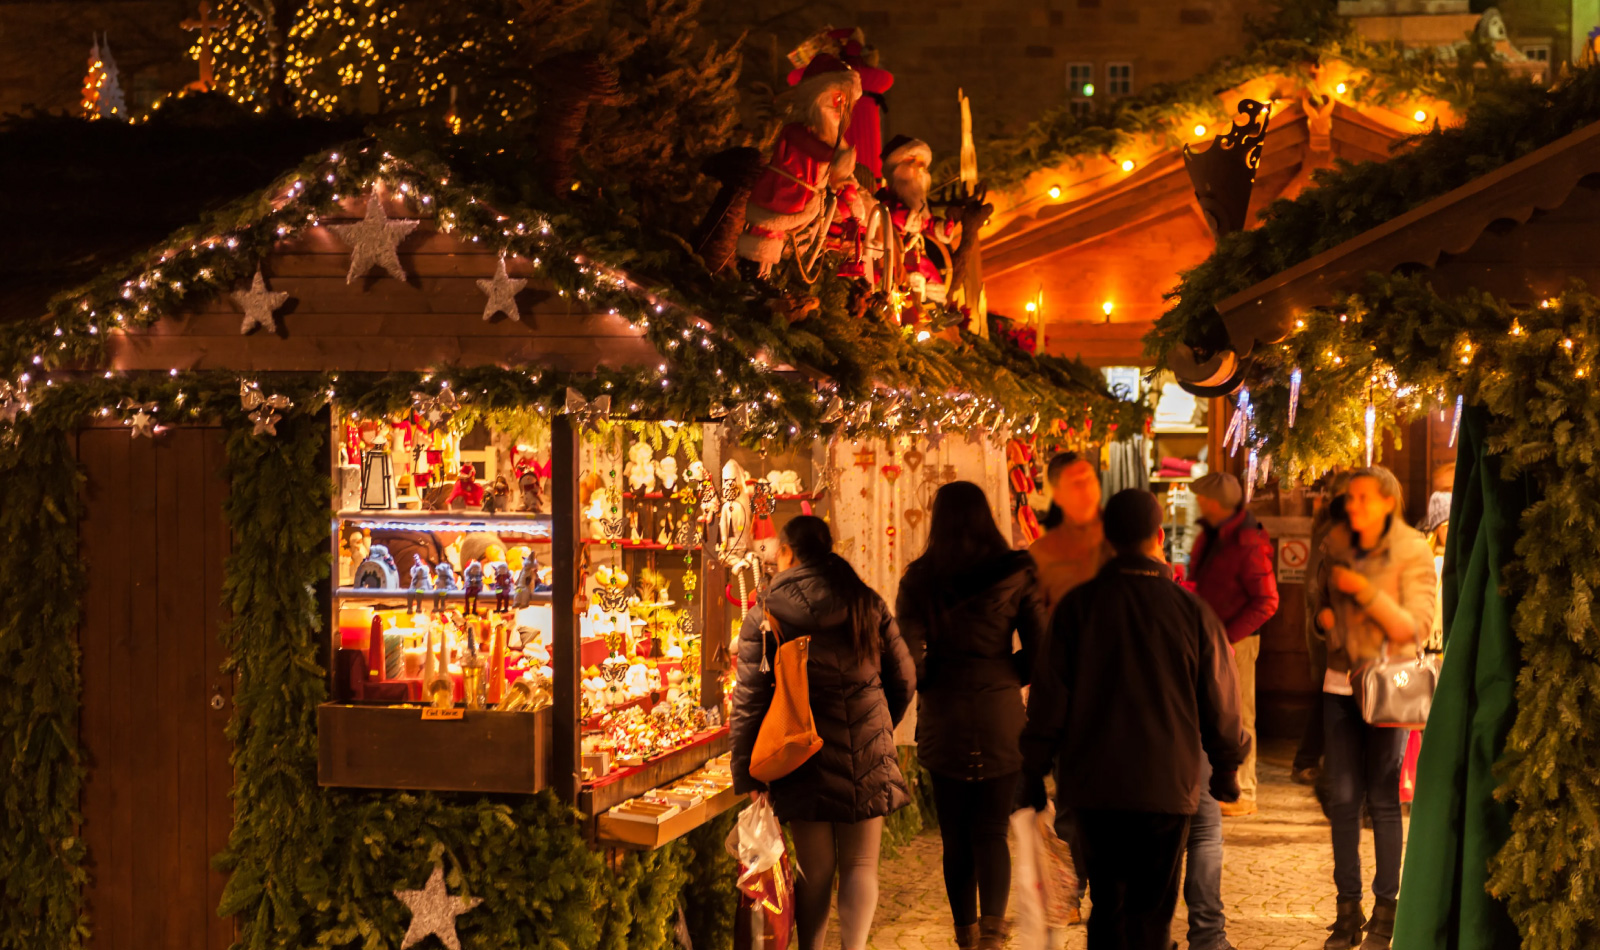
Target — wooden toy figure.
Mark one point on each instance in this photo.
(444, 581)
(421, 583)
(527, 579)
(473, 576)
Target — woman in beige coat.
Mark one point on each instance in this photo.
(1376, 587)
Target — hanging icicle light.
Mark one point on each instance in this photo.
(1294, 395)
(1239, 425)
(1455, 424)
(1251, 471)
(1372, 425)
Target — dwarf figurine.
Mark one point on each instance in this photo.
(906, 162)
(473, 576)
(444, 581)
(527, 580)
(502, 587)
(498, 497)
(810, 159)
(421, 583)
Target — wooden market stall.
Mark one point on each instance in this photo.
(399, 506)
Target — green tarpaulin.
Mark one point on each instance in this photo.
(1456, 825)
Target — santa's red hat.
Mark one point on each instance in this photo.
(824, 74)
(903, 147)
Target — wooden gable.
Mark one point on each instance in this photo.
(377, 323)
(1521, 232)
(1128, 241)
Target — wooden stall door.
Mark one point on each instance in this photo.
(155, 703)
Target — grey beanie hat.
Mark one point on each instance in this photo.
(1220, 486)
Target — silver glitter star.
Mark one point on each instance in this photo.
(502, 291)
(258, 303)
(141, 422)
(434, 912)
(374, 241)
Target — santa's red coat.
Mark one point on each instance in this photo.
(801, 155)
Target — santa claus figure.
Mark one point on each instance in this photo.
(810, 160)
(906, 161)
(865, 131)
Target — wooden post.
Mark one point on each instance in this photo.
(566, 745)
(714, 606)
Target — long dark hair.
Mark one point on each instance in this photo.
(812, 543)
(961, 534)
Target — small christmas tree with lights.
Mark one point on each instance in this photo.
(102, 88)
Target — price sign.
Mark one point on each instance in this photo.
(434, 714)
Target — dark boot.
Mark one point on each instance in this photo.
(991, 933)
(1346, 930)
(966, 937)
(1380, 929)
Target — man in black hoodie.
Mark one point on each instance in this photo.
(1136, 684)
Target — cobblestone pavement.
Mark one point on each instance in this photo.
(1277, 878)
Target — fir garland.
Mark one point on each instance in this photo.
(41, 861)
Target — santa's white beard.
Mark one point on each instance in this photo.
(823, 121)
(911, 185)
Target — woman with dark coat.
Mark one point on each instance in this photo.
(861, 682)
(959, 604)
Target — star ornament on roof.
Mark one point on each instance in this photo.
(502, 291)
(374, 242)
(434, 912)
(258, 303)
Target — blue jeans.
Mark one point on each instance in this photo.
(1202, 878)
(1362, 764)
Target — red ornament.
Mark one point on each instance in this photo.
(891, 472)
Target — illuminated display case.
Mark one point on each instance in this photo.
(532, 601)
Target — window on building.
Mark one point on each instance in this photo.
(1119, 79)
(1539, 53)
(1080, 80)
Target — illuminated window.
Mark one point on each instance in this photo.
(1119, 79)
(1539, 53)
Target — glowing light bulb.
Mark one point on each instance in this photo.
(1339, 89)
(1030, 306)
(1199, 130)
(1127, 164)
(1420, 115)
(923, 336)
(1055, 192)
(1107, 307)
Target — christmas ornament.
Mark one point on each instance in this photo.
(1251, 471)
(1294, 395)
(258, 303)
(1239, 425)
(436, 410)
(913, 517)
(1455, 428)
(935, 435)
(866, 458)
(502, 291)
(434, 912)
(588, 413)
(891, 472)
(975, 435)
(143, 419)
(834, 412)
(375, 241)
(913, 459)
(11, 402)
(263, 409)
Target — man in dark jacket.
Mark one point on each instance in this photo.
(1231, 569)
(1135, 687)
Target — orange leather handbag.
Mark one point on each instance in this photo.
(788, 734)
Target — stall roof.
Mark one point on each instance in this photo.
(1428, 236)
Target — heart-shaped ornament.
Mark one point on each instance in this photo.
(891, 472)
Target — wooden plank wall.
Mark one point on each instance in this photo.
(155, 798)
(377, 323)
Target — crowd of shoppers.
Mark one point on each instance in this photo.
(1083, 659)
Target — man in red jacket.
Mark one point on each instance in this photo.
(1231, 569)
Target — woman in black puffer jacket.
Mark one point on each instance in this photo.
(861, 683)
(959, 605)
